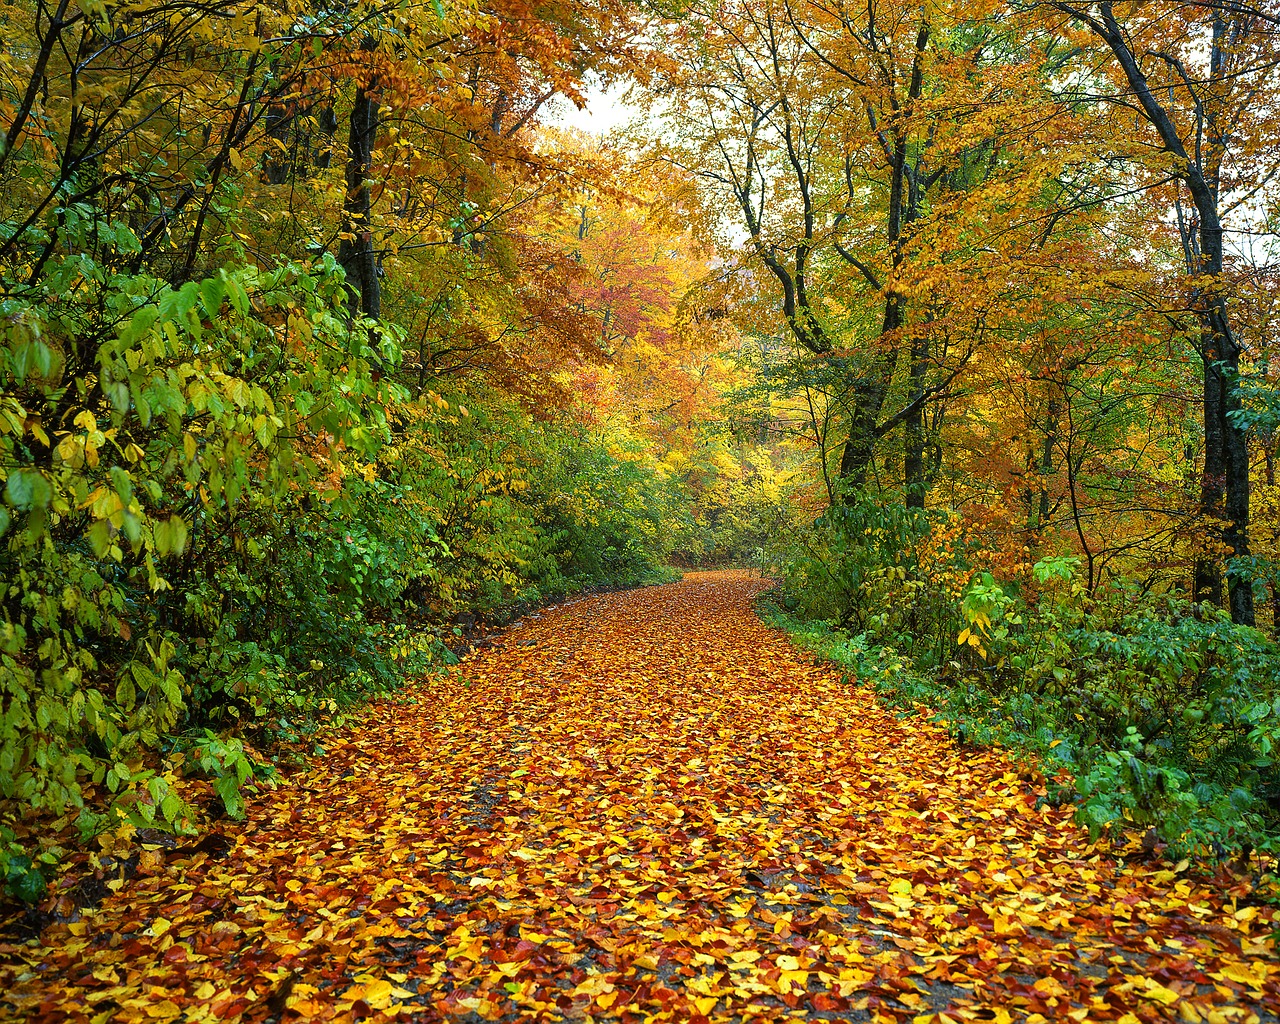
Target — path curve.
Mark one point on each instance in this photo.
(649, 806)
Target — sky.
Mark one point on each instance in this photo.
(604, 112)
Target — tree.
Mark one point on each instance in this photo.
(843, 137)
(1197, 77)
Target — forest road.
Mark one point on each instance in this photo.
(648, 806)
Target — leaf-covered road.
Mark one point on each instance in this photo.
(648, 806)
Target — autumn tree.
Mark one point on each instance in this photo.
(848, 140)
(1186, 87)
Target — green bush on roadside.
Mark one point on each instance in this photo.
(1148, 711)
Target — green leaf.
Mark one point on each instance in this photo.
(212, 292)
(238, 296)
(122, 484)
(43, 356)
(126, 692)
(126, 240)
(99, 536)
(160, 534)
(178, 534)
(228, 788)
(131, 527)
(25, 882)
(172, 807)
(28, 489)
(139, 324)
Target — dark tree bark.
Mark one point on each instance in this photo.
(859, 449)
(915, 472)
(1269, 450)
(1046, 461)
(355, 250)
(306, 131)
(905, 195)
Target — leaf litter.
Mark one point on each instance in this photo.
(649, 806)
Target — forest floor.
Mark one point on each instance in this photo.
(649, 806)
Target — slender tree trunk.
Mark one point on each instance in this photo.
(1046, 461)
(326, 129)
(1269, 450)
(859, 449)
(1224, 490)
(915, 473)
(355, 251)
(1213, 476)
(915, 482)
(280, 122)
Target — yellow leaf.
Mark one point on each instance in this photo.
(1188, 1013)
(1241, 975)
(705, 1005)
(1154, 990)
(1050, 986)
(376, 993)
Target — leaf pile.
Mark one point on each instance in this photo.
(649, 806)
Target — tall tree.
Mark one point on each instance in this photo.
(842, 135)
(1194, 80)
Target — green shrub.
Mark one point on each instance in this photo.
(226, 519)
(1161, 714)
(24, 874)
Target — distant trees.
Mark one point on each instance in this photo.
(927, 188)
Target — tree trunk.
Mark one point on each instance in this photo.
(1224, 492)
(1213, 476)
(1269, 452)
(355, 251)
(859, 449)
(915, 479)
(869, 396)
